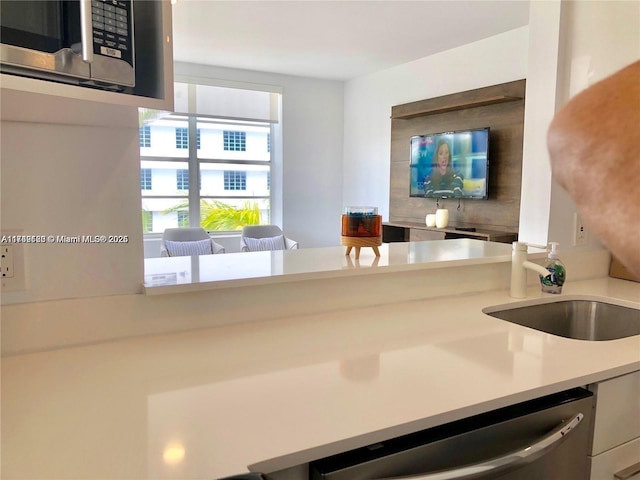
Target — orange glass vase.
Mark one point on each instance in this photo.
(361, 222)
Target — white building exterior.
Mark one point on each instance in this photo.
(233, 159)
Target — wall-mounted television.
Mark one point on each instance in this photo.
(450, 164)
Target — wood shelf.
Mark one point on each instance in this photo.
(499, 107)
(400, 231)
(480, 102)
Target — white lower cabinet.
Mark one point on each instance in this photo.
(616, 461)
(615, 454)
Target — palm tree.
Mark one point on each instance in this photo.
(217, 215)
(146, 220)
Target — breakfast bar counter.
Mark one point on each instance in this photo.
(271, 395)
(211, 272)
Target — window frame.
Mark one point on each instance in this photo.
(234, 141)
(235, 180)
(183, 218)
(273, 149)
(194, 162)
(182, 179)
(144, 180)
(145, 136)
(182, 138)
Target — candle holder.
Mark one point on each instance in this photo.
(361, 227)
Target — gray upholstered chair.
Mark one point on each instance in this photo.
(265, 237)
(180, 242)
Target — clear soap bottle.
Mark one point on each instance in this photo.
(553, 282)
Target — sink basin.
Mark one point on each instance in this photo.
(578, 319)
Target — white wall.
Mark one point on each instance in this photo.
(540, 106)
(599, 38)
(571, 46)
(77, 177)
(368, 101)
(311, 175)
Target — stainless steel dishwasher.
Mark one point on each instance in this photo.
(543, 439)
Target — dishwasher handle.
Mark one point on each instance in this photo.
(245, 476)
(509, 461)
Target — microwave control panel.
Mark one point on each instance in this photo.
(113, 29)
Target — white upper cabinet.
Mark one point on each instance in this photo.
(153, 47)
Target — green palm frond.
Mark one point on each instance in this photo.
(146, 220)
(217, 215)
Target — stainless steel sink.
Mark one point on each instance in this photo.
(578, 319)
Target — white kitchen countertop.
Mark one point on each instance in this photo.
(211, 402)
(207, 272)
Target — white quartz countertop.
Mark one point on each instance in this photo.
(214, 402)
(206, 272)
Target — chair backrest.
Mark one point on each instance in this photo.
(187, 235)
(265, 237)
(261, 231)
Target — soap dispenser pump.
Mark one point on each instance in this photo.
(553, 282)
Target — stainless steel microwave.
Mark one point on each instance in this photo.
(88, 42)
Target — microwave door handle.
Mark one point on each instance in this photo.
(508, 461)
(86, 31)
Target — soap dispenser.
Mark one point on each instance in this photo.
(553, 283)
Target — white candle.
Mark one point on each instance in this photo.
(430, 220)
(442, 217)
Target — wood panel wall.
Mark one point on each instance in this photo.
(500, 107)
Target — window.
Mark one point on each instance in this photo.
(183, 218)
(145, 179)
(182, 179)
(225, 147)
(235, 141)
(145, 136)
(182, 138)
(235, 180)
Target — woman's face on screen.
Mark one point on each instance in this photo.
(443, 156)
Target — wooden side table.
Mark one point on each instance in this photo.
(361, 227)
(359, 242)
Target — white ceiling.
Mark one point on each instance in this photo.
(332, 39)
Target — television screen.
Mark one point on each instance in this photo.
(450, 164)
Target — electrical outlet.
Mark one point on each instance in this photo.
(12, 274)
(6, 261)
(579, 231)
